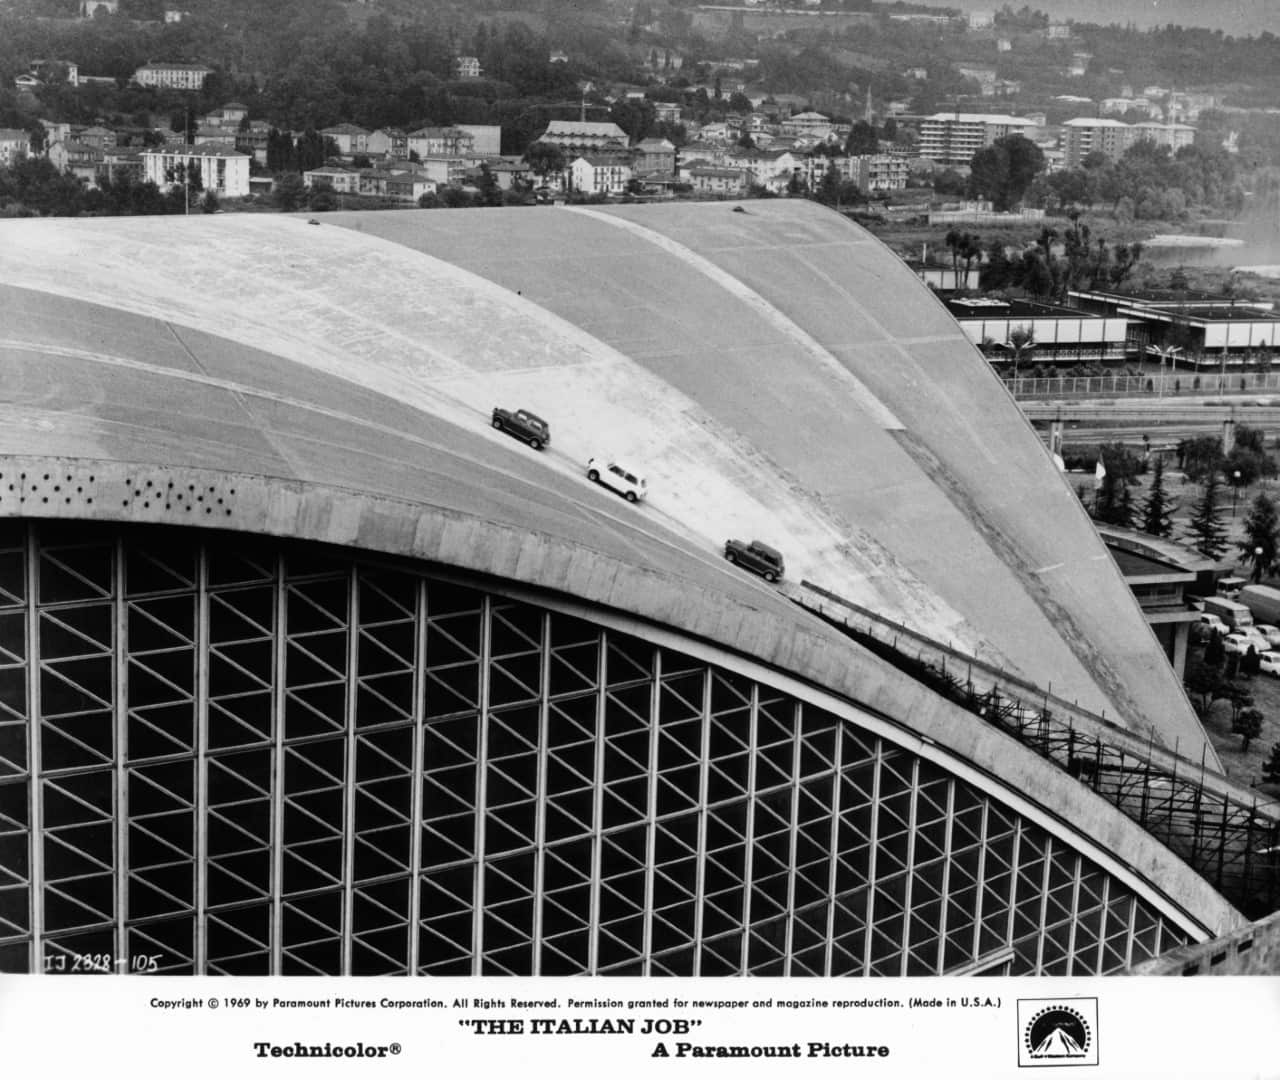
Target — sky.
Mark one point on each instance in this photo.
(1238, 17)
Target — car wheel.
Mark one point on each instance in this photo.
(593, 476)
(770, 576)
(498, 424)
(630, 496)
(535, 444)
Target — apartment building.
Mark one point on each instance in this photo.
(952, 138)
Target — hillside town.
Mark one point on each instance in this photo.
(700, 102)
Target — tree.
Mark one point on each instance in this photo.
(1199, 457)
(1003, 171)
(1124, 261)
(1271, 769)
(1248, 725)
(490, 193)
(1261, 535)
(1157, 515)
(289, 191)
(1022, 340)
(1240, 700)
(1205, 527)
(1114, 503)
(1205, 685)
(862, 140)
(544, 158)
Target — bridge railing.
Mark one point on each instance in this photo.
(1154, 385)
(1214, 824)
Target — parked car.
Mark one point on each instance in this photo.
(1269, 632)
(1270, 663)
(621, 478)
(1240, 642)
(523, 425)
(755, 556)
(1213, 621)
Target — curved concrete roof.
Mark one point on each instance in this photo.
(775, 373)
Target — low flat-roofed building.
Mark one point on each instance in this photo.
(1159, 571)
(1208, 330)
(1062, 335)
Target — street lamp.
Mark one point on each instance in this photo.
(1257, 564)
(1235, 490)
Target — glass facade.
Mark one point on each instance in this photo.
(234, 756)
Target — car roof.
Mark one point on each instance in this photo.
(773, 552)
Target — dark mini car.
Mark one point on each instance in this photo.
(523, 425)
(757, 557)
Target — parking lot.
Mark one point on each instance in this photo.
(1246, 768)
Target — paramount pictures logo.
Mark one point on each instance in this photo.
(1057, 1031)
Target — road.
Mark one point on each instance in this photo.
(1127, 420)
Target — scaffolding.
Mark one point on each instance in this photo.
(1221, 831)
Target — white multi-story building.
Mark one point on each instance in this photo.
(486, 139)
(351, 138)
(952, 138)
(344, 181)
(441, 142)
(1174, 136)
(880, 172)
(15, 144)
(808, 123)
(173, 76)
(222, 171)
(599, 174)
(713, 180)
(1085, 134)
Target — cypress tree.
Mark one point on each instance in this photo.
(1157, 515)
(1261, 535)
(1205, 529)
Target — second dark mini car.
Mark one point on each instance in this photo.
(523, 425)
(757, 557)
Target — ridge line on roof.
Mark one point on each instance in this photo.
(859, 391)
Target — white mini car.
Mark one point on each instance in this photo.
(622, 478)
(1240, 642)
(1270, 663)
(1271, 633)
